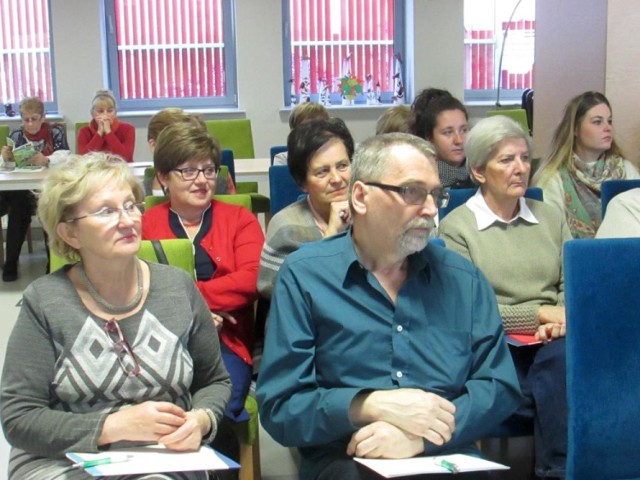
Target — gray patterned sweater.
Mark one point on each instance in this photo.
(62, 377)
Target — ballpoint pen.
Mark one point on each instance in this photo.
(450, 466)
(115, 458)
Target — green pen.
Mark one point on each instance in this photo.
(450, 466)
(115, 458)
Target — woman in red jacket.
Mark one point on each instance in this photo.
(227, 241)
(106, 133)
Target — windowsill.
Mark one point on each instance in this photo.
(358, 106)
(195, 111)
(492, 103)
(17, 119)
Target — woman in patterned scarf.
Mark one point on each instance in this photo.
(583, 155)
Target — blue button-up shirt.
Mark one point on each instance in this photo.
(334, 332)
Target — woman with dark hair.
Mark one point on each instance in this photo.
(319, 160)
(583, 155)
(441, 119)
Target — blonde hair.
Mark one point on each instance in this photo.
(394, 119)
(32, 104)
(169, 116)
(563, 143)
(70, 183)
(305, 112)
(103, 96)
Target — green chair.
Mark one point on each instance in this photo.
(151, 201)
(221, 180)
(259, 203)
(517, 114)
(179, 252)
(234, 135)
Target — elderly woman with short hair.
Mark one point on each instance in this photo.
(517, 243)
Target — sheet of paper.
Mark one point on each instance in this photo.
(521, 340)
(423, 465)
(155, 459)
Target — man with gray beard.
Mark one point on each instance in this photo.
(379, 344)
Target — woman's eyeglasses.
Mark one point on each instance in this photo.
(126, 357)
(191, 173)
(112, 214)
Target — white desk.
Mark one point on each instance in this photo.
(247, 169)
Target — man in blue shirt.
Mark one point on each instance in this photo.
(379, 345)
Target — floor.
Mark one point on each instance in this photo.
(277, 462)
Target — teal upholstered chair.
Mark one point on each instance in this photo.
(611, 188)
(275, 150)
(284, 190)
(603, 358)
(458, 196)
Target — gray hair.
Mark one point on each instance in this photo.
(371, 159)
(484, 137)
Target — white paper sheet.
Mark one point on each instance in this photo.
(155, 459)
(422, 465)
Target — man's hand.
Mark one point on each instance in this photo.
(383, 440)
(414, 411)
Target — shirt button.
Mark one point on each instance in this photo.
(399, 328)
(399, 374)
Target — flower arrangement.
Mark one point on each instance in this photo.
(350, 86)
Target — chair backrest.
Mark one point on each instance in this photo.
(234, 135)
(611, 188)
(458, 196)
(78, 126)
(179, 252)
(517, 114)
(4, 133)
(282, 187)
(273, 151)
(243, 200)
(227, 160)
(603, 358)
(527, 106)
(221, 180)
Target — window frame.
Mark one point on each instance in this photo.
(509, 96)
(399, 43)
(230, 100)
(50, 106)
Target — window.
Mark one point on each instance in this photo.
(26, 69)
(171, 53)
(325, 40)
(498, 30)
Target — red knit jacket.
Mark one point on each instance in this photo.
(121, 141)
(234, 244)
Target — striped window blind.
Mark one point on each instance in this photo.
(26, 68)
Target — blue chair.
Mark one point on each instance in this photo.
(284, 190)
(603, 358)
(611, 188)
(458, 196)
(227, 159)
(273, 151)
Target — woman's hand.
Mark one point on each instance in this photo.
(39, 160)
(220, 317)
(106, 126)
(7, 154)
(146, 422)
(339, 218)
(189, 436)
(553, 323)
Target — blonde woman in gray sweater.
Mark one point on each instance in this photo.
(517, 243)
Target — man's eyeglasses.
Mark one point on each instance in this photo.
(112, 214)
(415, 194)
(126, 357)
(191, 173)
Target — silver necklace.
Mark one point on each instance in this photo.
(108, 306)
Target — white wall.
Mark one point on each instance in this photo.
(80, 65)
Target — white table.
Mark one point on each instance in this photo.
(247, 169)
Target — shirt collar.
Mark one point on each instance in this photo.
(485, 216)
